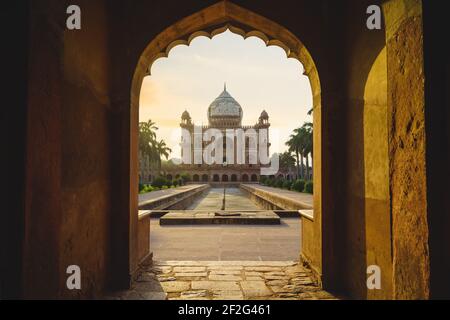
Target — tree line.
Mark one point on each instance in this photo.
(300, 143)
(150, 146)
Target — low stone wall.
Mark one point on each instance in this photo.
(177, 201)
(192, 217)
(144, 253)
(272, 201)
(308, 243)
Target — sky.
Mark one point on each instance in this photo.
(258, 77)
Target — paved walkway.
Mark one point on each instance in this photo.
(226, 242)
(294, 195)
(236, 280)
(160, 193)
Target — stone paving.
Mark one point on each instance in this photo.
(235, 199)
(227, 242)
(224, 280)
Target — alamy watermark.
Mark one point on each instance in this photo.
(374, 20)
(374, 277)
(73, 281)
(228, 147)
(73, 21)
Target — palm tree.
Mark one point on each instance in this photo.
(292, 143)
(296, 145)
(308, 143)
(150, 146)
(162, 150)
(286, 160)
(147, 137)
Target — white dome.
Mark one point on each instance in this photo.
(224, 106)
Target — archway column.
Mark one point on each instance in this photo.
(407, 147)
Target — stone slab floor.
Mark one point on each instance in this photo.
(226, 242)
(223, 280)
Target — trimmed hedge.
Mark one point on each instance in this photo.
(287, 184)
(309, 187)
(279, 183)
(298, 185)
(159, 182)
(185, 177)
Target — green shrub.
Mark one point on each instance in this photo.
(279, 183)
(159, 182)
(175, 182)
(263, 179)
(164, 187)
(169, 183)
(308, 187)
(146, 188)
(185, 177)
(287, 184)
(269, 182)
(298, 185)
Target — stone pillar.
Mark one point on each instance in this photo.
(406, 131)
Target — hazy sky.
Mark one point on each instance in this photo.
(258, 77)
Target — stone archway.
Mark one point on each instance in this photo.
(209, 22)
(196, 178)
(105, 92)
(233, 177)
(224, 178)
(205, 178)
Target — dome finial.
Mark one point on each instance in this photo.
(224, 86)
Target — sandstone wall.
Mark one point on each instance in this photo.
(370, 191)
(407, 144)
(68, 170)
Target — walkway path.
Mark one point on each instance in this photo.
(161, 193)
(236, 280)
(294, 195)
(226, 242)
(235, 199)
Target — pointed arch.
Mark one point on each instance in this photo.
(209, 22)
